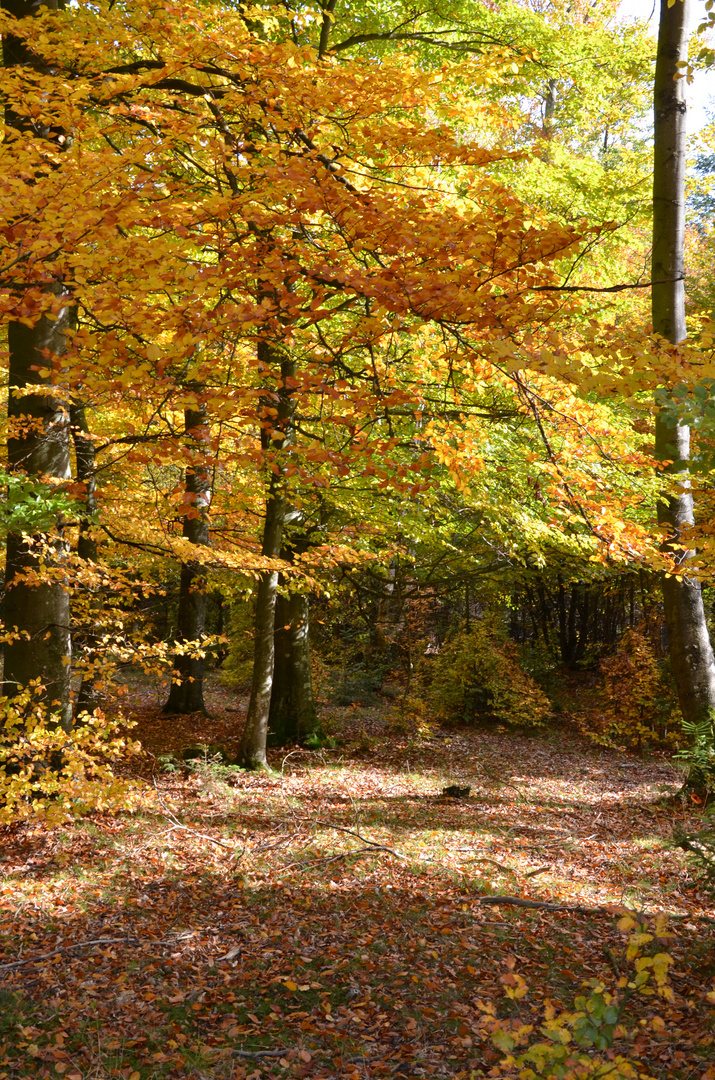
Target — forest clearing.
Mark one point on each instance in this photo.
(228, 918)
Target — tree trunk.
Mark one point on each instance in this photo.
(276, 433)
(37, 614)
(187, 687)
(86, 474)
(293, 716)
(89, 695)
(281, 726)
(690, 649)
(38, 445)
(563, 639)
(255, 735)
(305, 710)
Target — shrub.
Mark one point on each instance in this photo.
(476, 677)
(579, 1044)
(638, 700)
(48, 773)
(699, 848)
(699, 757)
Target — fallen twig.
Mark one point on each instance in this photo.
(126, 940)
(176, 824)
(519, 901)
(539, 870)
(579, 909)
(370, 845)
(364, 839)
(259, 1053)
(66, 948)
(502, 866)
(334, 858)
(202, 836)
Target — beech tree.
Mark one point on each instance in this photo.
(187, 691)
(364, 303)
(690, 648)
(37, 608)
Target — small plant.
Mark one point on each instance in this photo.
(700, 850)
(578, 1045)
(316, 741)
(211, 764)
(699, 757)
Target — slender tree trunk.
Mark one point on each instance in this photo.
(282, 728)
(89, 695)
(187, 688)
(87, 475)
(37, 608)
(276, 434)
(305, 710)
(293, 716)
(584, 613)
(563, 646)
(571, 633)
(255, 735)
(544, 613)
(690, 649)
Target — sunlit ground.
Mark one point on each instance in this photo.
(328, 920)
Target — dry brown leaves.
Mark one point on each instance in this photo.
(228, 931)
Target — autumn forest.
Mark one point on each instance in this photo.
(358, 693)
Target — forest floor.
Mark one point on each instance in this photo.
(328, 920)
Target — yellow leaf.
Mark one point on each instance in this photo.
(290, 985)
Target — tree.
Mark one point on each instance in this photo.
(690, 648)
(366, 299)
(88, 695)
(187, 693)
(276, 433)
(293, 715)
(37, 607)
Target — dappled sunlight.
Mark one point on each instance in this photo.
(329, 914)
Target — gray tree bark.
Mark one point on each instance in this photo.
(276, 435)
(281, 728)
(39, 445)
(89, 696)
(87, 474)
(293, 716)
(690, 648)
(37, 606)
(187, 688)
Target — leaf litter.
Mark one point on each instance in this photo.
(327, 920)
